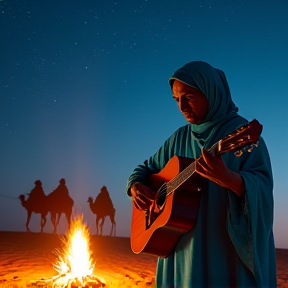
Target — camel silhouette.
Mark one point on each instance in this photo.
(51, 203)
(31, 207)
(101, 211)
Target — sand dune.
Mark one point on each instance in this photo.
(26, 258)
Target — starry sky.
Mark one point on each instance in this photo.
(84, 91)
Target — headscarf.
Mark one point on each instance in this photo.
(213, 84)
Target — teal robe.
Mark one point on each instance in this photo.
(232, 243)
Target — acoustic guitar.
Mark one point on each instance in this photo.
(178, 192)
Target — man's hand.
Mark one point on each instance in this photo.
(214, 168)
(142, 196)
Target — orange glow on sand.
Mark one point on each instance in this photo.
(75, 265)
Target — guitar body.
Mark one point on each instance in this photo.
(157, 233)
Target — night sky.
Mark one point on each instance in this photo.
(84, 91)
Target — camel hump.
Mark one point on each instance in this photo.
(104, 203)
(61, 190)
(55, 197)
(60, 203)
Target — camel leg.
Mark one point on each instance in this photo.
(101, 225)
(43, 222)
(58, 216)
(112, 219)
(29, 213)
(57, 220)
(68, 217)
(113, 228)
(53, 220)
(97, 224)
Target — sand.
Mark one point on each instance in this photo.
(26, 258)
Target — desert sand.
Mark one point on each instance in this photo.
(26, 258)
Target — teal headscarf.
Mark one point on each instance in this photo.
(213, 84)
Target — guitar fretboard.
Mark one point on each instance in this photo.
(184, 175)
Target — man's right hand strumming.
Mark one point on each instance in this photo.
(142, 196)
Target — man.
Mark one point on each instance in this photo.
(37, 194)
(232, 243)
(62, 190)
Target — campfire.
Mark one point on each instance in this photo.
(75, 265)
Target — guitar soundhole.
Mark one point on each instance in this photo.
(161, 196)
(152, 215)
(160, 202)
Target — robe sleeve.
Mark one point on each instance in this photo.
(152, 165)
(250, 218)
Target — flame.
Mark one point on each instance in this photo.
(75, 262)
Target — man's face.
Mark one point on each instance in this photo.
(192, 103)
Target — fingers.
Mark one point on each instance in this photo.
(142, 196)
(141, 204)
(201, 165)
(212, 167)
(207, 164)
(140, 190)
(143, 199)
(208, 159)
(136, 204)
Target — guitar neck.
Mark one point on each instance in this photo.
(186, 173)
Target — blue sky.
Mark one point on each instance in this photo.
(84, 91)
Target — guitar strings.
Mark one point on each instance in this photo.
(168, 187)
(182, 176)
(173, 184)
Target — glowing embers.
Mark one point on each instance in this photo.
(74, 264)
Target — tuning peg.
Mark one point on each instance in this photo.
(238, 153)
(250, 148)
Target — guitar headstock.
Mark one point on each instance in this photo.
(245, 136)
